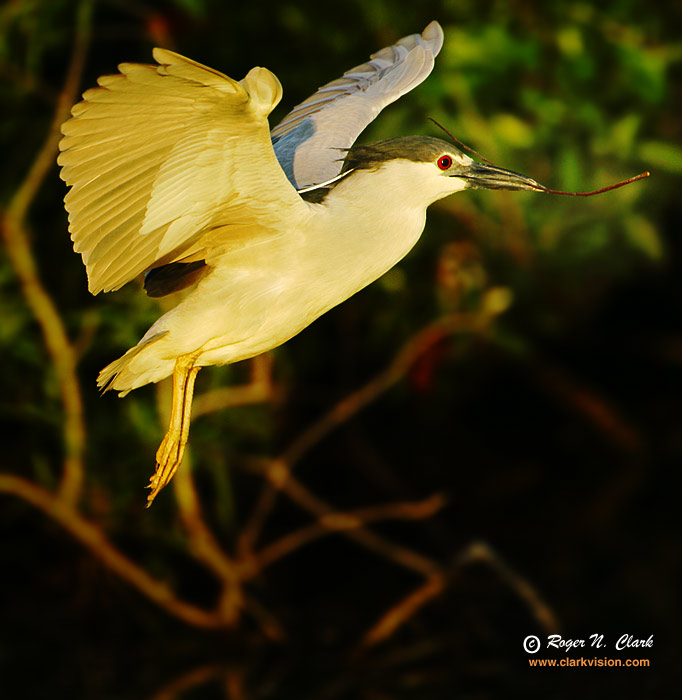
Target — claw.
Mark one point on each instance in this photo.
(172, 448)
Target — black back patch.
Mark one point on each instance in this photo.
(173, 277)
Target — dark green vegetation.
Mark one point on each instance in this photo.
(546, 410)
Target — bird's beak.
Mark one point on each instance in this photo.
(490, 177)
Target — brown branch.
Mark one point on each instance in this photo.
(259, 390)
(482, 552)
(232, 678)
(269, 626)
(188, 680)
(400, 613)
(27, 82)
(593, 407)
(343, 522)
(254, 526)
(282, 479)
(234, 683)
(15, 235)
(91, 537)
(202, 544)
(352, 404)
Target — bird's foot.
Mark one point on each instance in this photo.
(172, 448)
(168, 459)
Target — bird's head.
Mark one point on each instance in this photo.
(428, 168)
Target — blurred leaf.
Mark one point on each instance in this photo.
(570, 41)
(620, 139)
(394, 280)
(659, 154)
(590, 240)
(513, 130)
(491, 47)
(642, 234)
(143, 417)
(547, 109)
(645, 73)
(569, 169)
(497, 300)
(196, 8)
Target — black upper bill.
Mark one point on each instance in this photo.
(490, 177)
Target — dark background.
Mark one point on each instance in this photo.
(553, 430)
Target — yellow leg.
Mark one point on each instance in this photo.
(170, 453)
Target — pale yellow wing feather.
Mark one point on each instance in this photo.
(159, 156)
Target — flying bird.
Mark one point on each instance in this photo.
(174, 172)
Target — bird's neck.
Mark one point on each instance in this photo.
(383, 205)
(364, 230)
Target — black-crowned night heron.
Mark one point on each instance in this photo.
(174, 172)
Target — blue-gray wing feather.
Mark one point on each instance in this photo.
(310, 142)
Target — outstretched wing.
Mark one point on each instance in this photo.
(158, 156)
(310, 140)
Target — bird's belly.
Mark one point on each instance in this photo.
(262, 321)
(266, 313)
(258, 298)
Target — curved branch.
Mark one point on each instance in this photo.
(15, 235)
(404, 610)
(259, 389)
(189, 679)
(482, 552)
(202, 543)
(281, 479)
(342, 522)
(91, 537)
(204, 546)
(352, 404)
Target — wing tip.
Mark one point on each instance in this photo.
(165, 57)
(263, 88)
(434, 36)
(93, 288)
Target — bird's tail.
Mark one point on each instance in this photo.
(121, 376)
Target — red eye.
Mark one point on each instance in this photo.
(444, 162)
